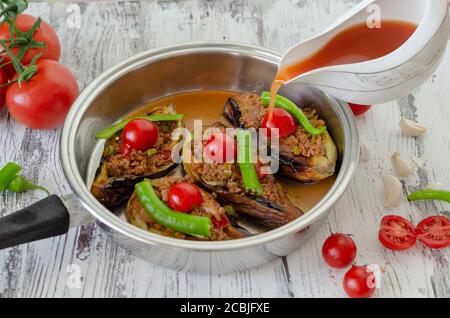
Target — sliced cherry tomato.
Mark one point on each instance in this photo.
(43, 101)
(358, 110)
(45, 33)
(139, 134)
(434, 232)
(397, 233)
(184, 196)
(220, 223)
(282, 120)
(221, 148)
(3, 81)
(359, 282)
(339, 250)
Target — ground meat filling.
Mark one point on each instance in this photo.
(136, 214)
(140, 162)
(301, 142)
(228, 176)
(252, 111)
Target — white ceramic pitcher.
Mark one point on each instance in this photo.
(389, 77)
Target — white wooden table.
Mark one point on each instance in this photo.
(111, 31)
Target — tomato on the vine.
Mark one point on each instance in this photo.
(339, 250)
(397, 233)
(3, 81)
(184, 196)
(43, 101)
(139, 134)
(282, 120)
(45, 33)
(434, 232)
(358, 110)
(359, 282)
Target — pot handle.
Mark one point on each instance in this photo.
(46, 218)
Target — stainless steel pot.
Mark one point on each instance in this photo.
(155, 74)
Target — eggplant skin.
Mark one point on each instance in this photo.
(244, 110)
(260, 209)
(112, 191)
(136, 215)
(309, 170)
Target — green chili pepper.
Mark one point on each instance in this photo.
(112, 130)
(288, 105)
(246, 164)
(7, 173)
(176, 221)
(21, 184)
(430, 194)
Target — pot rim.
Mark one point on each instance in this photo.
(95, 208)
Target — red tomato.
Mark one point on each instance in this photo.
(397, 233)
(220, 223)
(358, 110)
(45, 34)
(282, 120)
(339, 250)
(434, 232)
(359, 282)
(139, 134)
(44, 100)
(184, 196)
(221, 148)
(3, 81)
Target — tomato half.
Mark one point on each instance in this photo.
(397, 233)
(282, 120)
(358, 110)
(220, 148)
(45, 33)
(339, 250)
(44, 100)
(434, 232)
(139, 134)
(359, 282)
(184, 196)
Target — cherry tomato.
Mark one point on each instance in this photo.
(139, 134)
(359, 282)
(397, 233)
(45, 33)
(282, 120)
(358, 110)
(221, 148)
(184, 196)
(3, 81)
(434, 232)
(220, 223)
(339, 250)
(44, 100)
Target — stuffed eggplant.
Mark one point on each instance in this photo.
(177, 208)
(135, 149)
(307, 152)
(236, 182)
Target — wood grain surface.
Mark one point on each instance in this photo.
(110, 31)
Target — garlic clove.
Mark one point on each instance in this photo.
(393, 191)
(401, 167)
(364, 152)
(411, 128)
